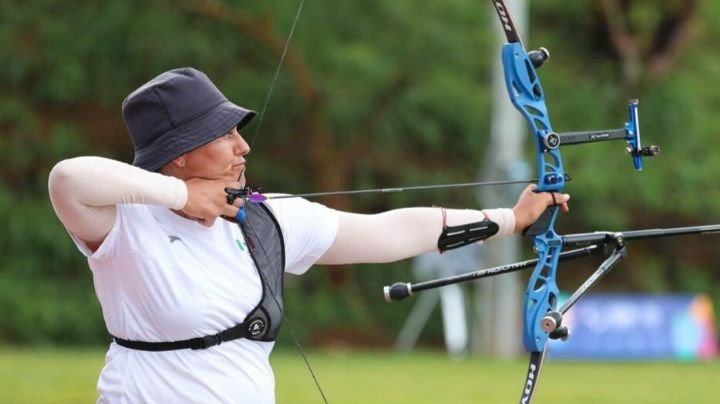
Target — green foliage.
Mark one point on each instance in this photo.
(371, 94)
(69, 376)
(49, 311)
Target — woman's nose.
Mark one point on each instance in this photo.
(242, 148)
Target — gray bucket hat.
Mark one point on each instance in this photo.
(176, 112)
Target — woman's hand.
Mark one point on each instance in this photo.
(207, 200)
(531, 205)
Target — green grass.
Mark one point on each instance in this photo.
(69, 376)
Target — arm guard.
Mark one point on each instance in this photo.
(457, 236)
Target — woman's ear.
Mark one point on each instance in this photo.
(178, 162)
(174, 167)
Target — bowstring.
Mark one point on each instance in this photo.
(262, 247)
(277, 72)
(286, 318)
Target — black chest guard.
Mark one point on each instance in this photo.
(267, 249)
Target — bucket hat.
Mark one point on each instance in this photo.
(176, 112)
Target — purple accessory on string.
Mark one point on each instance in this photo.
(256, 197)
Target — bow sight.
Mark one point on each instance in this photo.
(629, 133)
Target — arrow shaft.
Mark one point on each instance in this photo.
(401, 189)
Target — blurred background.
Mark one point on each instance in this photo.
(371, 94)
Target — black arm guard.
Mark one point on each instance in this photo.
(458, 236)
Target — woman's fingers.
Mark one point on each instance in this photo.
(531, 204)
(559, 199)
(230, 211)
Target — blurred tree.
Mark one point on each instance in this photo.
(647, 37)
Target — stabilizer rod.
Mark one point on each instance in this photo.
(605, 237)
(400, 290)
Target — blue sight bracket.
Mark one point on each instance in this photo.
(635, 148)
(632, 129)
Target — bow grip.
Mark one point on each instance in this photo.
(542, 225)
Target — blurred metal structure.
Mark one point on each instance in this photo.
(498, 301)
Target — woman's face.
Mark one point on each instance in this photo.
(223, 158)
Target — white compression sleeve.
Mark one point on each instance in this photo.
(85, 190)
(402, 233)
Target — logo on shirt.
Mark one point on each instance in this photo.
(240, 244)
(256, 327)
(174, 239)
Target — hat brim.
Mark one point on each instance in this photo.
(199, 131)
